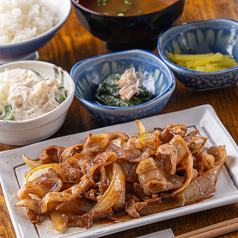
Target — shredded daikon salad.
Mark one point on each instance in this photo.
(25, 94)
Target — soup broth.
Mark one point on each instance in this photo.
(125, 7)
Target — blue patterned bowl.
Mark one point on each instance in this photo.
(88, 74)
(218, 35)
(26, 50)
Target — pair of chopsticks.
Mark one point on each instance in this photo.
(215, 230)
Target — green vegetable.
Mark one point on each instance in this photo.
(34, 72)
(60, 94)
(99, 3)
(6, 112)
(127, 3)
(102, 3)
(108, 94)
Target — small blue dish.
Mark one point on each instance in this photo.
(89, 73)
(209, 36)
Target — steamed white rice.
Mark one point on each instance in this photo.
(23, 19)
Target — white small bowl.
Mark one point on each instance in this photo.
(42, 127)
(27, 49)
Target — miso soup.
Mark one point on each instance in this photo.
(125, 7)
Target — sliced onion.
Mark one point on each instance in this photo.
(58, 220)
(208, 161)
(120, 204)
(104, 158)
(140, 126)
(113, 192)
(31, 163)
(187, 163)
(38, 171)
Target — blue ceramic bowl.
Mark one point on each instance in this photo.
(88, 74)
(26, 50)
(218, 35)
(128, 32)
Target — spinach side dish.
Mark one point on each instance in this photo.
(123, 90)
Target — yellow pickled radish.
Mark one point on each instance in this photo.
(38, 171)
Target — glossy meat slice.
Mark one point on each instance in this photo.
(133, 206)
(79, 206)
(204, 186)
(52, 199)
(163, 205)
(154, 180)
(195, 142)
(48, 182)
(170, 130)
(51, 154)
(70, 151)
(120, 178)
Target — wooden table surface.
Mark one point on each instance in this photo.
(72, 44)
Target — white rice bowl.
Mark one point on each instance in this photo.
(23, 19)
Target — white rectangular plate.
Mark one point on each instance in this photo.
(204, 118)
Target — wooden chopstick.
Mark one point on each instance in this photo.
(220, 228)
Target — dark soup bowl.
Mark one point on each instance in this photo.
(122, 31)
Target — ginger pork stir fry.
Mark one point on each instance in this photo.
(118, 177)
